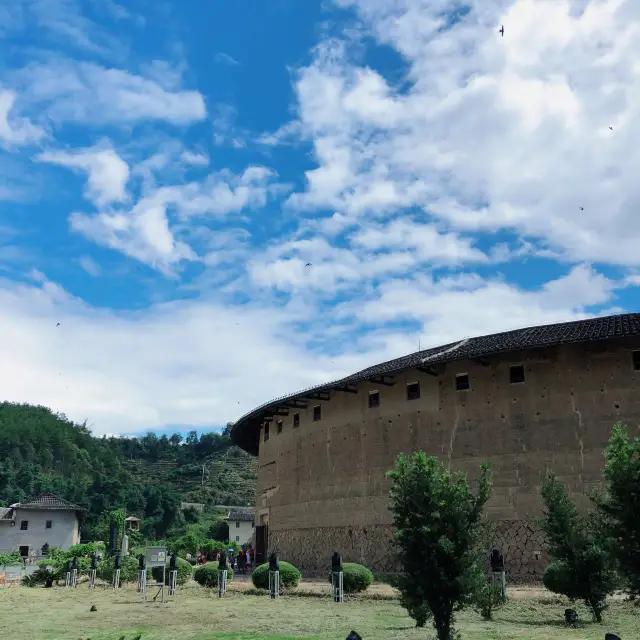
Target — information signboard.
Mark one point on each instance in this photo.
(155, 557)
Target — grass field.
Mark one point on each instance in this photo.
(196, 614)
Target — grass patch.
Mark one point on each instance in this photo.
(198, 614)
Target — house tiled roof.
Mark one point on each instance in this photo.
(246, 515)
(5, 513)
(246, 431)
(49, 502)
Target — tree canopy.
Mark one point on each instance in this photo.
(150, 476)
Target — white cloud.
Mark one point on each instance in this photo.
(225, 58)
(15, 130)
(89, 265)
(425, 239)
(193, 362)
(87, 93)
(142, 233)
(107, 172)
(485, 133)
(146, 232)
(194, 159)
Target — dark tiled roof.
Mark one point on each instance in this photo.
(246, 515)
(246, 431)
(49, 502)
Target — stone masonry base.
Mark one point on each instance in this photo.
(521, 542)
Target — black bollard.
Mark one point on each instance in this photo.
(497, 560)
(570, 617)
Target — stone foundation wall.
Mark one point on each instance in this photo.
(310, 549)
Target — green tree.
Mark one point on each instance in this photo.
(581, 567)
(620, 505)
(43, 451)
(438, 527)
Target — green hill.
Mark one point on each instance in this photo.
(149, 476)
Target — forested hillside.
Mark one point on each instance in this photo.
(149, 476)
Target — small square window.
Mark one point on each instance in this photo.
(462, 382)
(279, 426)
(635, 359)
(48, 524)
(516, 374)
(24, 525)
(317, 413)
(296, 420)
(413, 390)
(374, 399)
(237, 525)
(266, 431)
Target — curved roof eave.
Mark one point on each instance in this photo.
(246, 430)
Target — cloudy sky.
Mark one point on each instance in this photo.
(168, 169)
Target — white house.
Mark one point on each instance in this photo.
(241, 521)
(27, 526)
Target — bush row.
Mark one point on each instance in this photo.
(356, 577)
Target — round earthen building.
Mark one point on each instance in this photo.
(525, 400)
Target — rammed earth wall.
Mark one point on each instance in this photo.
(322, 486)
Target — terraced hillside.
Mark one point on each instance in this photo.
(227, 477)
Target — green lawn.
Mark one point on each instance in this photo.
(195, 614)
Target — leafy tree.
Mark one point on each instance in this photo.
(581, 567)
(620, 506)
(438, 527)
(43, 451)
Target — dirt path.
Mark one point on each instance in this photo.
(382, 589)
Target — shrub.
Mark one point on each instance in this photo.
(207, 574)
(211, 547)
(355, 577)
(188, 543)
(487, 598)
(289, 575)
(10, 559)
(416, 607)
(580, 568)
(128, 569)
(44, 576)
(184, 568)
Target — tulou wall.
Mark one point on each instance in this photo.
(322, 485)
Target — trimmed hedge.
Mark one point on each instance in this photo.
(128, 569)
(355, 578)
(207, 574)
(289, 575)
(185, 571)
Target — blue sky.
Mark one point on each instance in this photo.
(168, 170)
